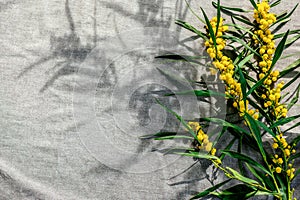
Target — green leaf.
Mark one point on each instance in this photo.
(247, 159)
(159, 134)
(231, 8)
(239, 27)
(290, 68)
(180, 119)
(175, 150)
(267, 129)
(291, 81)
(275, 3)
(239, 41)
(243, 85)
(211, 32)
(175, 78)
(238, 176)
(279, 49)
(253, 4)
(218, 15)
(189, 7)
(198, 93)
(297, 173)
(291, 41)
(224, 129)
(237, 192)
(261, 111)
(258, 84)
(200, 155)
(295, 140)
(209, 190)
(178, 57)
(292, 127)
(243, 20)
(280, 35)
(191, 28)
(277, 55)
(242, 78)
(225, 124)
(293, 157)
(254, 172)
(256, 134)
(284, 121)
(263, 178)
(228, 147)
(280, 20)
(174, 137)
(295, 98)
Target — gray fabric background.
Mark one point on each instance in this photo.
(74, 97)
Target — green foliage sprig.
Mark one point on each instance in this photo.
(244, 55)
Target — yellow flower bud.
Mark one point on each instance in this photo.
(278, 170)
(275, 145)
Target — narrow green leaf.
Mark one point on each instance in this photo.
(246, 159)
(291, 41)
(181, 57)
(243, 20)
(210, 29)
(200, 155)
(275, 3)
(198, 93)
(253, 4)
(179, 80)
(239, 27)
(231, 8)
(293, 157)
(224, 129)
(243, 85)
(295, 98)
(175, 150)
(174, 137)
(258, 84)
(225, 124)
(237, 192)
(254, 172)
(297, 173)
(218, 15)
(280, 20)
(279, 49)
(256, 134)
(242, 178)
(228, 147)
(239, 41)
(189, 7)
(159, 134)
(290, 68)
(191, 28)
(242, 78)
(262, 125)
(295, 141)
(209, 190)
(291, 81)
(263, 178)
(261, 111)
(180, 119)
(292, 127)
(280, 35)
(284, 121)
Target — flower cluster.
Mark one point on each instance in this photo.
(226, 67)
(204, 143)
(281, 143)
(264, 38)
